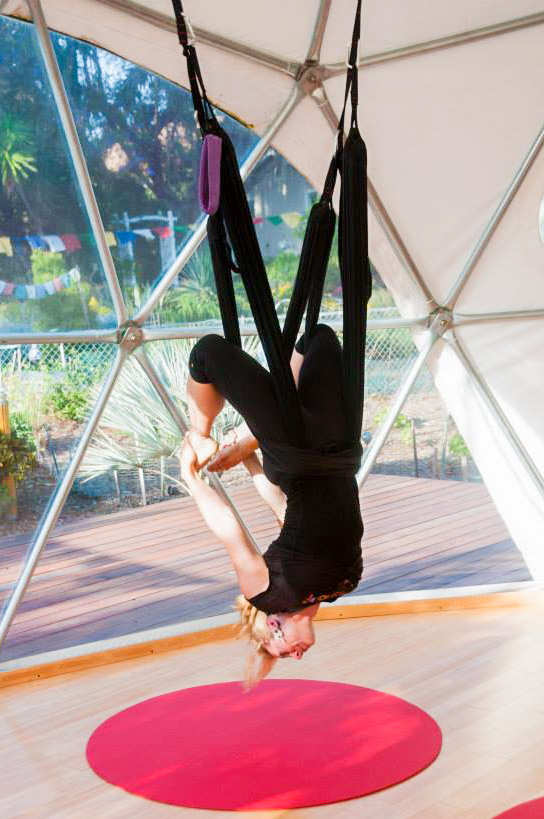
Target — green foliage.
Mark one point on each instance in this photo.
(457, 445)
(22, 430)
(281, 272)
(180, 306)
(381, 297)
(16, 161)
(402, 422)
(198, 277)
(46, 266)
(69, 398)
(136, 429)
(28, 398)
(17, 458)
(72, 308)
(68, 310)
(6, 501)
(405, 425)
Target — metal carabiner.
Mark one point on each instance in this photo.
(347, 63)
(191, 39)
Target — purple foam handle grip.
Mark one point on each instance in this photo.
(209, 175)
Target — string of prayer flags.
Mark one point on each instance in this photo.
(22, 292)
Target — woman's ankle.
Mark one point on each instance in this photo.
(204, 445)
(196, 433)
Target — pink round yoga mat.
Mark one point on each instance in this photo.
(285, 744)
(527, 810)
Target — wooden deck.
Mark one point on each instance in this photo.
(159, 565)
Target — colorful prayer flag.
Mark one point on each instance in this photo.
(5, 246)
(291, 219)
(125, 236)
(163, 232)
(37, 243)
(145, 232)
(55, 243)
(71, 242)
(110, 238)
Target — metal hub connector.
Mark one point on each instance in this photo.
(310, 78)
(130, 336)
(440, 321)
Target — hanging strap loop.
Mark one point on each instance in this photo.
(201, 103)
(231, 226)
(352, 83)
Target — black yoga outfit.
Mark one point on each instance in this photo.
(317, 555)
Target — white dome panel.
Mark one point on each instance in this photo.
(509, 274)
(386, 26)
(441, 149)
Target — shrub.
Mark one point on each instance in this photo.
(22, 429)
(69, 398)
(402, 422)
(457, 445)
(6, 500)
(17, 458)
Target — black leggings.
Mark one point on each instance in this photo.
(248, 386)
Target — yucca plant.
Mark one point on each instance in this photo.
(136, 429)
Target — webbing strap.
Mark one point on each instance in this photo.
(202, 106)
(352, 84)
(233, 212)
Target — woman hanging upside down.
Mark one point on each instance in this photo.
(317, 555)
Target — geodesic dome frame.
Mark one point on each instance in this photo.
(450, 114)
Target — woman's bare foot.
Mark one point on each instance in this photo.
(204, 446)
(228, 455)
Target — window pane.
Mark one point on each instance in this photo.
(50, 272)
(142, 147)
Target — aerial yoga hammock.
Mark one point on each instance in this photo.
(309, 433)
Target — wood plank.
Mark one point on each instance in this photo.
(157, 565)
(462, 667)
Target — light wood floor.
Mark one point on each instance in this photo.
(477, 672)
(160, 565)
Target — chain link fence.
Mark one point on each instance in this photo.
(55, 358)
(423, 442)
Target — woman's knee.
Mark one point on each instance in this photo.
(202, 354)
(321, 332)
(325, 330)
(325, 337)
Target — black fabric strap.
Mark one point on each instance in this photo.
(352, 76)
(202, 106)
(298, 463)
(234, 215)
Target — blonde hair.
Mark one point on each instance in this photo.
(253, 624)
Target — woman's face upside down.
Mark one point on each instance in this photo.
(293, 634)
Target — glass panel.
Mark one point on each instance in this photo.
(142, 147)
(280, 199)
(429, 520)
(131, 551)
(50, 393)
(50, 273)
